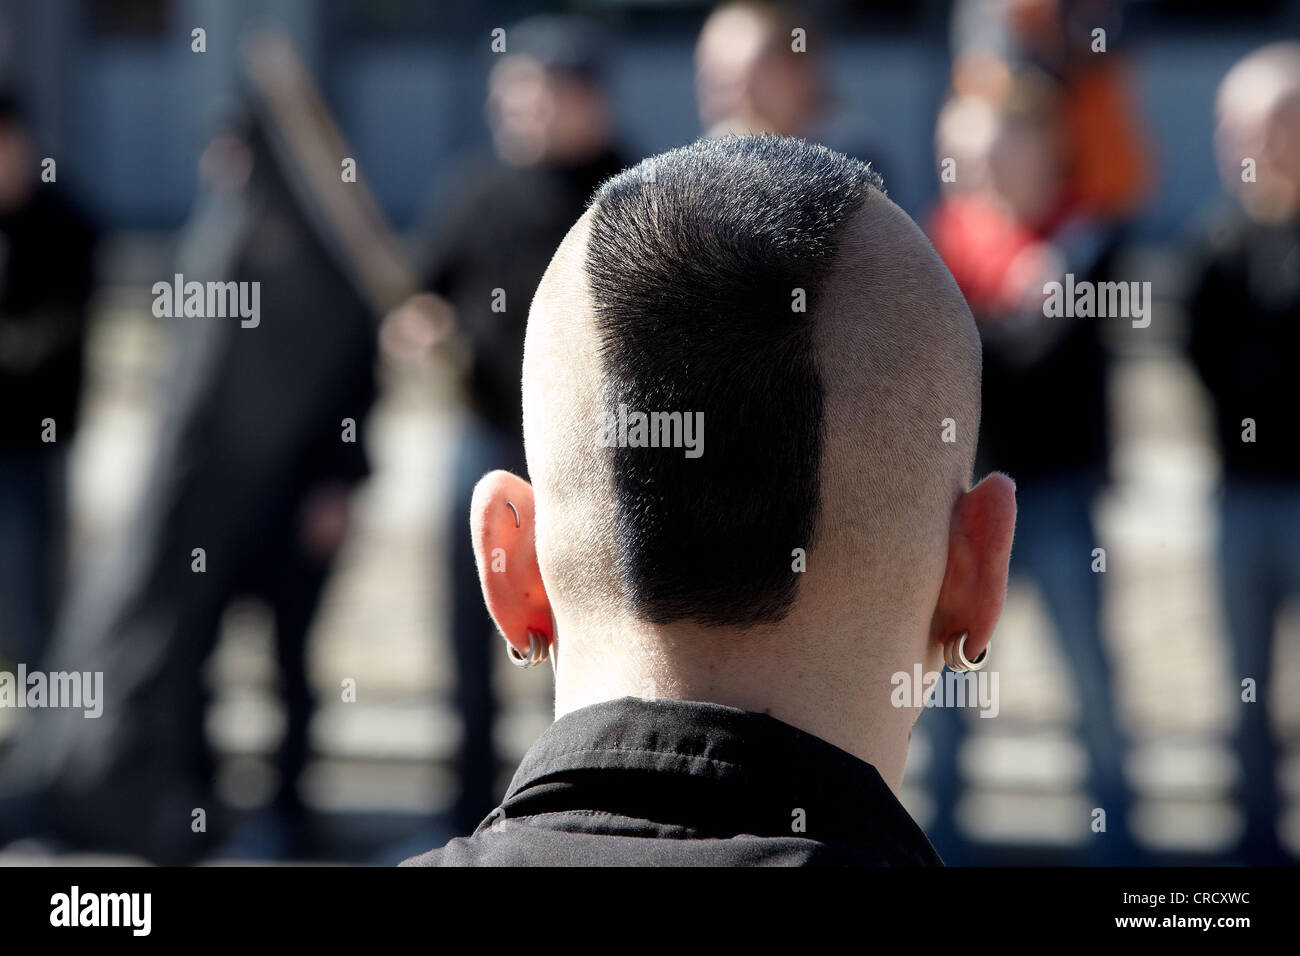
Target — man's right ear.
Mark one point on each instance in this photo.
(979, 554)
(502, 527)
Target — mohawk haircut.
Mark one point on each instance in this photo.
(698, 260)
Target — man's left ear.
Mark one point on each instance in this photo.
(503, 530)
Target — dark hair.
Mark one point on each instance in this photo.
(693, 259)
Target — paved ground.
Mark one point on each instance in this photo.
(384, 623)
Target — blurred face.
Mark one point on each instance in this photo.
(1269, 133)
(1025, 169)
(741, 78)
(17, 173)
(539, 116)
(1282, 140)
(1257, 129)
(786, 93)
(729, 49)
(965, 133)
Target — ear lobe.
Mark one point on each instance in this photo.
(506, 553)
(979, 553)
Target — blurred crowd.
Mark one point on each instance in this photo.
(1041, 152)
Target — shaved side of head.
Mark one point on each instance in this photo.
(563, 399)
(900, 362)
(769, 285)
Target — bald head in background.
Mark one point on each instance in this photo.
(826, 536)
(749, 78)
(1257, 114)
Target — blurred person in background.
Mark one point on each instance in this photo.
(1245, 335)
(46, 278)
(1107, 157)
(251, 465)
(1007, 225)
(749, 79)
(552, 131)
(760, 68)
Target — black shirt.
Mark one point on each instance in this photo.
(46, 277)
(635, 782)
(1044, 411)
(1245, 335)
(499, 233)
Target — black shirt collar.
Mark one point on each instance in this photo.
(688, 769)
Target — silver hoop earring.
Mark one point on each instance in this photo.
(954, 654)
(538, 650)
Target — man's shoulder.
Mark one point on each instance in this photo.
(521, 845)
(476, 850)
(429, 858)
(457, 852)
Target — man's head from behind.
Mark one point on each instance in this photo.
(751, 401)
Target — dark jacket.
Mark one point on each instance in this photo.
(500, 232)
(635, 782)
(46, 276)
(1044, 410)
(1245, 335)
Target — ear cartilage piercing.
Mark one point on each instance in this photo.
(512, 508)
(538, 650)
(954, 654)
